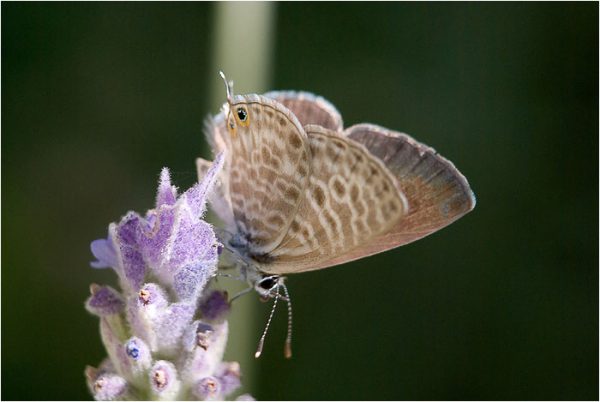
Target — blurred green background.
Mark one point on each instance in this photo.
(503, 304)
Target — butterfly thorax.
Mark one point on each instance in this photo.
(242, 243)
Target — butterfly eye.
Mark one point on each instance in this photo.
(267, 283)
(242, 115)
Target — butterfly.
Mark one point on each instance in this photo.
(299, 192)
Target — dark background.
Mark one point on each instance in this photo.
(503, 304)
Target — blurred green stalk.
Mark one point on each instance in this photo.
(242, 49)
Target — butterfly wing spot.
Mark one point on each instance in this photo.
(270, 159)
(362, 228)
(275, 220)
(253, 207)
(302, 171)
(360, 208)
(445, 209)
(332, 153)
(303, 160)
(267, 174)
(339, 145)
(265, 154)
(253, 174)
(373, 172)
(281, 186)
(291, 194)
(294, 226)
(337, 189)
(295, 142)
(319, 196)
(305, 233)
(354, 193)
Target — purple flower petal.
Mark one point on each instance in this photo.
(171, 325)
(104, 301)
(192, 238)
(191, 255)
(190, 280)
(104, 252)
(133, 265)
(166, 194)
(197, 194)
(154, 233)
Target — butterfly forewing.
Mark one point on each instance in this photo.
(350, 199)
(268, 170)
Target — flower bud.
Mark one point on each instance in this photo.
(229, 375)
(104, 301)
(215, 306)
(163, 380)
(208, 389)
(109, 387)
(136, 360)
(206, 346)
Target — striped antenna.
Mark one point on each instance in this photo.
(287, 349)
(264, 334)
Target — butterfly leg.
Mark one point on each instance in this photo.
(241, 293)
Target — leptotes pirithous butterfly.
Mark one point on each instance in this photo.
(298, 192)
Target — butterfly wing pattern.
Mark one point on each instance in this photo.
(302, 193)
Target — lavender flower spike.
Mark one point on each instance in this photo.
(164, 333)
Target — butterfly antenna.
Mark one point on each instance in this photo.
(287, 349)
(264, 334)
(228, 87)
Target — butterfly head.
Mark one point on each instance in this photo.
(236, 110)
(268, 286)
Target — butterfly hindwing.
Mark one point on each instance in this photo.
(309, 108)
(436, 191)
